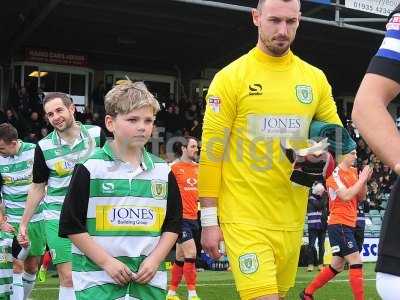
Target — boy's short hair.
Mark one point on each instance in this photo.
(8, 133)
(128, 96)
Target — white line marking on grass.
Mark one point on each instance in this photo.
(219, 284)
(338, 280)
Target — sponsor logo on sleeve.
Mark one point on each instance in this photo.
(215, 103)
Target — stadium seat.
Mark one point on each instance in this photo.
(374, 212)
(376, 220)
(376, 229)
(382, 212)
(368, 233)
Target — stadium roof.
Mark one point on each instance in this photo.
(157, 35)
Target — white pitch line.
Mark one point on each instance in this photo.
(220, 284)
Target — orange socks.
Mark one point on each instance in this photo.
(322, 278)
(357, 281)
(189, 271)
(176, 274)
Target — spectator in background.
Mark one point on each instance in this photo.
(179, 119)
(361, 150)
(35, 123)
(32, 137)
(316, 220)
(172, 122)
(23, 103)
(388, 180)
(11, 118)
(191, 115)
(196, 130)
(44, 132)
(374, 195)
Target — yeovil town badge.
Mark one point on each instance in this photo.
(248, 263)
(304, 93)
(158, 189)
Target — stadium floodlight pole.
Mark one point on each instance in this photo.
(336, 23)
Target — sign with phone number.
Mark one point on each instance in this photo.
(379, 7)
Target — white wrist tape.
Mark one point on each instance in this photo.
(209, 217)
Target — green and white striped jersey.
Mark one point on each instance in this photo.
(125, 214)
(16, 174)
(60, 159)
(6, 264)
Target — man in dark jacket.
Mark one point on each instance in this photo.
(316, 219)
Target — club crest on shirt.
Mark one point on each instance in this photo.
(304, 94)
(158, 189)
(248, 263)
(29, 163)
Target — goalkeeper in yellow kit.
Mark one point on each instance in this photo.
(244, 178)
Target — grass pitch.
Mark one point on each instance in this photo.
(220, 286)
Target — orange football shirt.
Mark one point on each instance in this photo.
(342, 212)
(186, 175)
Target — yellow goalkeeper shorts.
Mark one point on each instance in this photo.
(263, 262)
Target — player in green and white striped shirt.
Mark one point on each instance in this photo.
(55, 158)
(123, 208)
(16, 162)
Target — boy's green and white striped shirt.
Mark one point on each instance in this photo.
(61, 159)
(16, 173)
(126, 210)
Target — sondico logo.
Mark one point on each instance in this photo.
(107, 187)
(142, 216)
(255, 89)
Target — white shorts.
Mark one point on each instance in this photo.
(388, 286)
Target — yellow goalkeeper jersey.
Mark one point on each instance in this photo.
(252, 104)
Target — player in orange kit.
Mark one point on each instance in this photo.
(345, 190)
(185, 170)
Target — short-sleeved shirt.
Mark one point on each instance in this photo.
(186, 176)
(342, 212)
